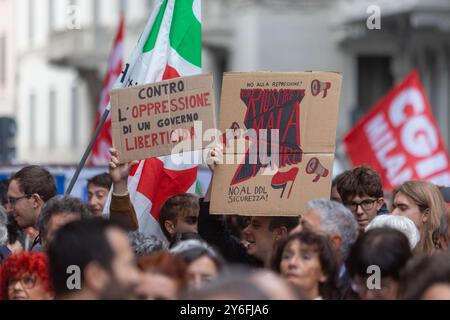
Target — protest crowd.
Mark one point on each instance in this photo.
(362, 244)
(359, 240)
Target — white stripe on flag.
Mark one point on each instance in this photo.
(117, 54)
(183, 66)
(134, 60)
(162, 46)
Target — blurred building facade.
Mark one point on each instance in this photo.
(7, 80)
(61, 49)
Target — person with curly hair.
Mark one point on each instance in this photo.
(308, 261)
(25, 276)
(361, 192)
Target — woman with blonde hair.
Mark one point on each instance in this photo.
(421, 202)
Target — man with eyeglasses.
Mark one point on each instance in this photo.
(362, 193)
(28, 190)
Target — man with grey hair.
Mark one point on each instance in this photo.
(144, 245)
(336, 221)
(57, 212)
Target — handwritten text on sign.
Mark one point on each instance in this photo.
(147, 121)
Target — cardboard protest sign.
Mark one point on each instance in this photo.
(399, 138)
(149, 120)
(280, 143)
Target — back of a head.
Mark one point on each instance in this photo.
(274, 286)
(180, 204)
(335, 218)
(191, 250)
(3, 192)
(384, 247)
(400, 223)
(441, 236)
(61, 205)
(234, 284)
(422, 272)
(360, 181)
(164, 262)
(15, 233)
(103, 180)
(77, 244)
(335, 179)
(144, 245)
(36, 179)
(335, 196)
(189, 244)
(183, 236)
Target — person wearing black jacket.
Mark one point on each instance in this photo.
(260, 235)
(213, 229)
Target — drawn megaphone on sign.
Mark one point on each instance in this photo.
(317, 87)
(315, 167)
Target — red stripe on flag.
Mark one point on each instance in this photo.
(100, 155)
(134, 169)
(168, 183)
(170, 73)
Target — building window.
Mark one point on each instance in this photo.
(52, 120)
(374, 81)
(32, 121)
(2, 60)
(74, 116)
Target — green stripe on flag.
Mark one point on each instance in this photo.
(186, 33)
(151, 40)
(198, 188)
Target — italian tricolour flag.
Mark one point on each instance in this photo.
(169, 47)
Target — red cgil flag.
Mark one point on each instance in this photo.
(100, 151)
(399, 138)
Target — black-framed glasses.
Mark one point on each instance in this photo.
(12, 200)
(366, 204)
(28, 281)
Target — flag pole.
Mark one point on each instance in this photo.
(88, 151)
(101, 123)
